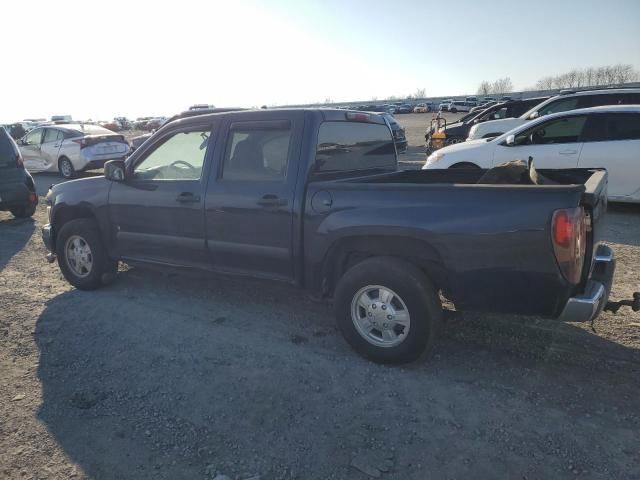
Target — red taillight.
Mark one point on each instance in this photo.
(569, 238)
(19, 160)
(562, 229)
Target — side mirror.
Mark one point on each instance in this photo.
(115, 170)
(511, 141)
(534, 115)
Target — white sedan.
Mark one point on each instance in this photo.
(71, 148)
(600, 137)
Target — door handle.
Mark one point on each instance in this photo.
(270, 200)
(568, 152)
(188, 197)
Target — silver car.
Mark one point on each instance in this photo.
(70, 148)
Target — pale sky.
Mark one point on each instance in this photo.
(99, 59)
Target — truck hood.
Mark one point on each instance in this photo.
(497, 127)
(91, 192)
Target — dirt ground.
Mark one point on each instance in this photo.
(170, 377)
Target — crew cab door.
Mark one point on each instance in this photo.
(156, 214)
(612, 141)
(553, 144)
(250, 198)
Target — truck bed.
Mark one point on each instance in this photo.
(488, 245)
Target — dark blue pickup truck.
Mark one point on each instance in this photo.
(313, 197)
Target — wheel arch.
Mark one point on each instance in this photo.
(348, 252)
(65, 213)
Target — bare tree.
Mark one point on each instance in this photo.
(484, 88)
(420, 93)
(588, 77)
(502, 85)
(545, 83)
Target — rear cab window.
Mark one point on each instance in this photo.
(345, 146)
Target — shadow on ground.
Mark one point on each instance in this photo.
(162, 376)
(14, 235)
(623, 224)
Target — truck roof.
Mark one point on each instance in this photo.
(328, 114)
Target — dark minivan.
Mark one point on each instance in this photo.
(17, 190)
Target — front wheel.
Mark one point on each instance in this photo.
(82, 257)
(387, 310)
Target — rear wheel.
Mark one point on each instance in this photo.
(24, 212)
(82, 257)
(387, 310)
(65, 167)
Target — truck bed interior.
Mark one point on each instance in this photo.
(576, 176)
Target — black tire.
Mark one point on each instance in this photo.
(416, 291)
(453, 140)
(65, 165)
(453, 110)
(103, 269)
(24, 212)
(464, 165)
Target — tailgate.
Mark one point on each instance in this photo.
(594, 200)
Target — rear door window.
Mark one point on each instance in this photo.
(52, 135)
(349, 146)
(257, 151)
(613, 127)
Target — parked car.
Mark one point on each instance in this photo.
(559, 103)
(399, 137)
(313, 197)
(17, 190)
(458, 131)
(61, 119)
(460, 106)
(472, 99)
(482, 106)
(505, 98)
(444, 106)
(405, 108)
(202, 106)
(69, 149)
(423, 108)
(598, 137)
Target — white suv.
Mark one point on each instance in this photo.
(559, 103)
(600, 137)
(69, 149)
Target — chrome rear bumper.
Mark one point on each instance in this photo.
(588, 305)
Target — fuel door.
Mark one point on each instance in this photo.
(321, 201)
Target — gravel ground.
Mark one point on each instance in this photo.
(171, 377)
